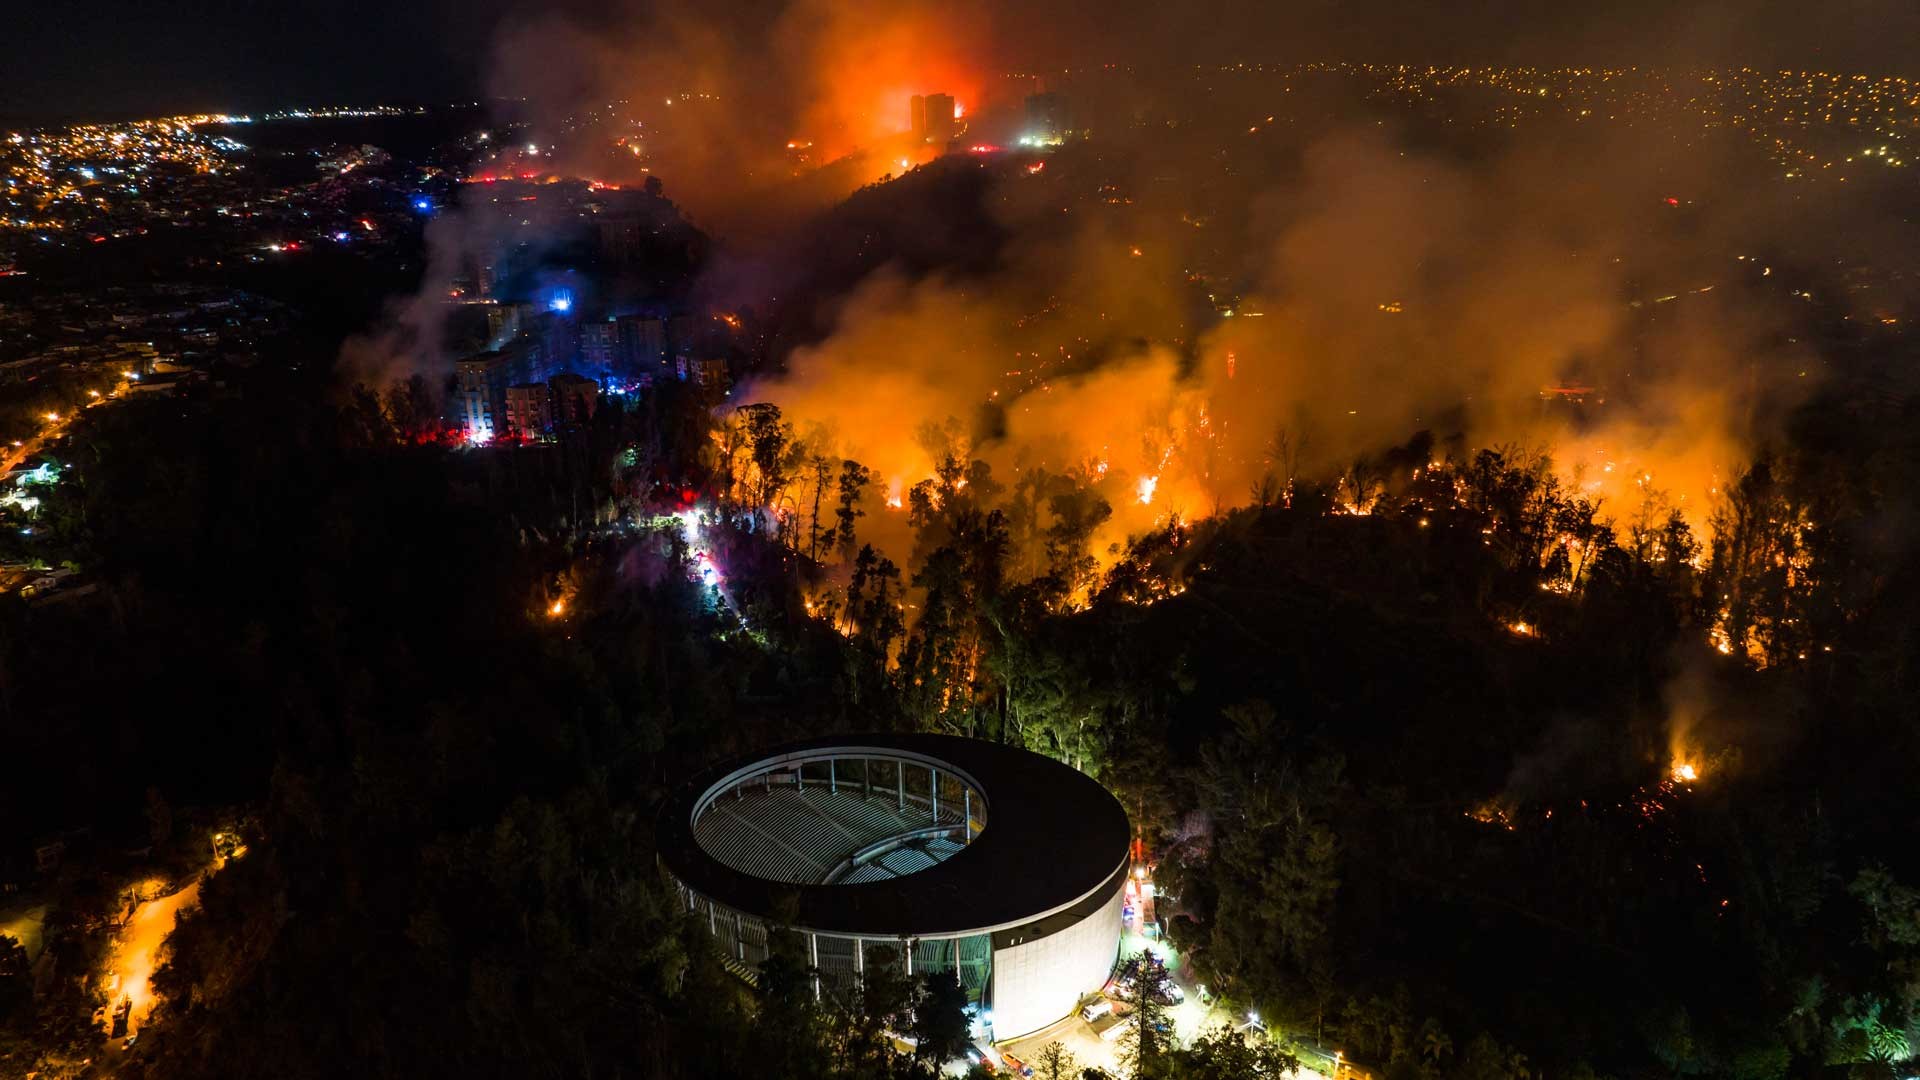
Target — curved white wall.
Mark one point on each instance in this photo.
(1039, 982)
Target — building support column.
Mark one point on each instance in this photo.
(933, 793)
(813, 961)
(833, 781)
(966, 827)
(900, 784)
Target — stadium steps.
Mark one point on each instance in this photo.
(787, 834)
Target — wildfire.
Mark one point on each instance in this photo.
(1144, 489)
(1684, 772)
(1524, 629)
(1492, 814)
(557, 608)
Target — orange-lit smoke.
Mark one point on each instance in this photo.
(1394, 292)
(1414, 294)
(834, 77)
(1383, 289)
(868, 63)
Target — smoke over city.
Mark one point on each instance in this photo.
(730, 99)
(1387, 291)
(1175, 339)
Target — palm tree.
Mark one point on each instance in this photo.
(1434, 1042)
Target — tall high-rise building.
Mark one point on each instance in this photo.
(683, 336)
(917, 116)
(529, 410)
(558, 338)
(643, 345)
(505, 320)
(574, 398)
(940, 127)
(600, 345)
(483, 380)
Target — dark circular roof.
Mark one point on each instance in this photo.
(1052, 836)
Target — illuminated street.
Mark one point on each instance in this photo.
(135, 950)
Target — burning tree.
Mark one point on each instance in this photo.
(1760, 575)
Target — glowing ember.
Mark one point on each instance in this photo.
(1524, 629)
(557, 608)
(1684, 772)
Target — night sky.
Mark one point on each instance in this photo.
(142, 58)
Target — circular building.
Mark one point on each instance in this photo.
(920, 852)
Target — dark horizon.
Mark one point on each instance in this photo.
(199, 58)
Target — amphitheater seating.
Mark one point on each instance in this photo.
(786, 834)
